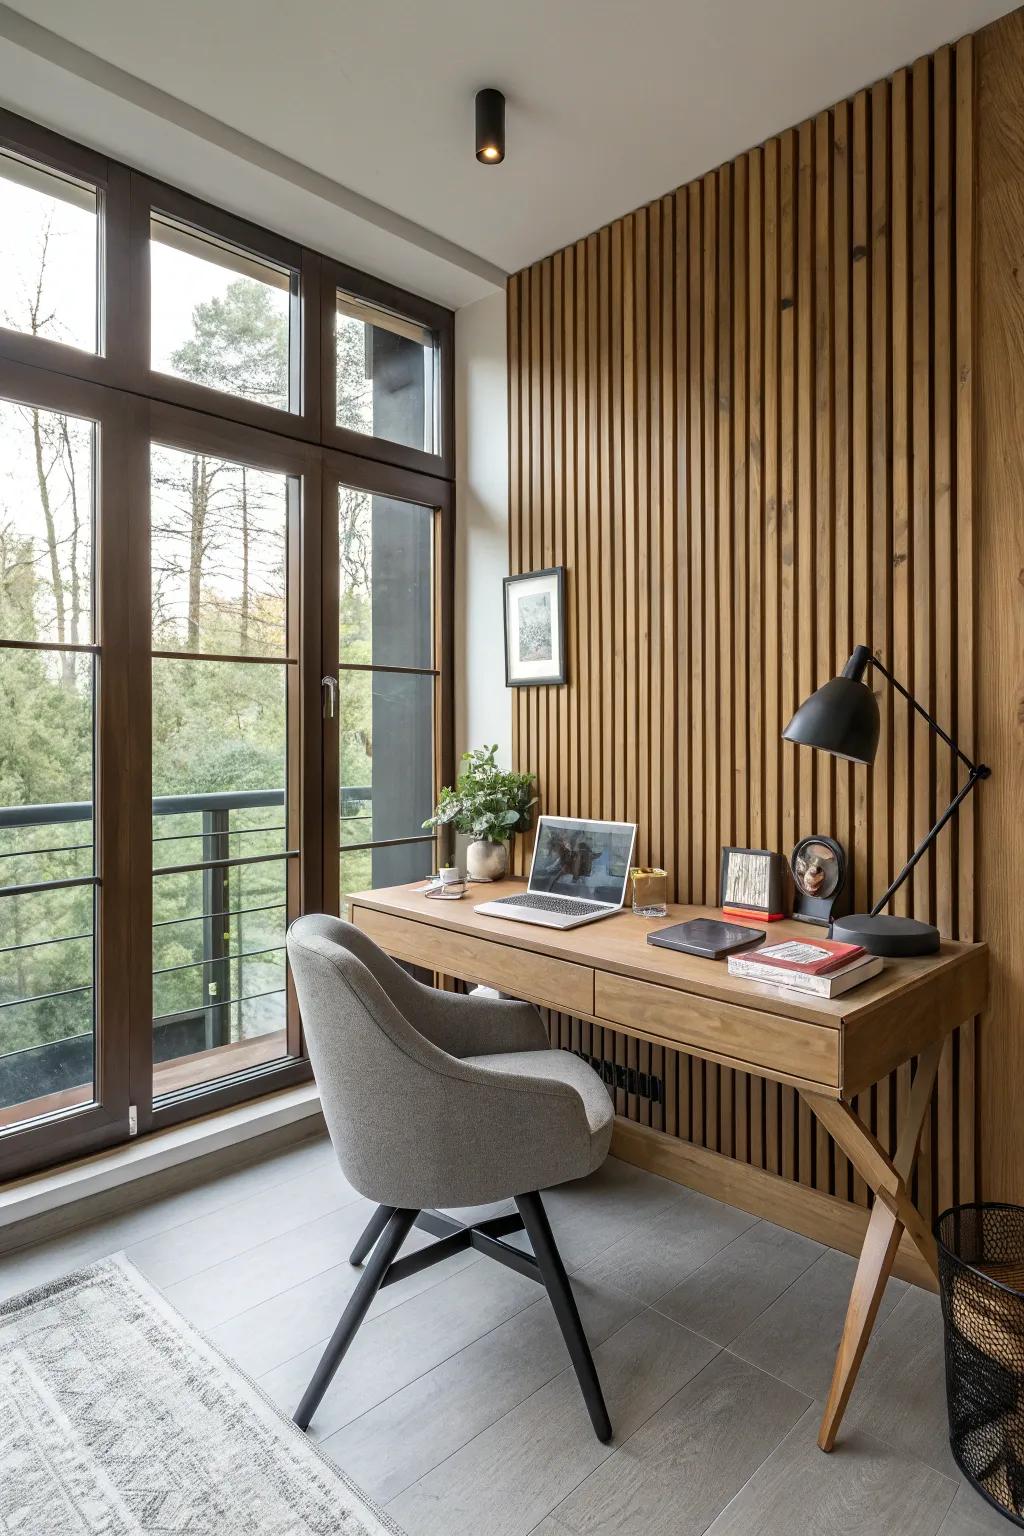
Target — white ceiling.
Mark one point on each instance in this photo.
(610, 103)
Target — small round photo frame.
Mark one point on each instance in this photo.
(819, 868)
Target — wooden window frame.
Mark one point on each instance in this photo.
(135, 405)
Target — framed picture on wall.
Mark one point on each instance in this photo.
(535, 628)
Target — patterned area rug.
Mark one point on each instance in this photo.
(118, 1419)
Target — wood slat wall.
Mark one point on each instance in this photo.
(741, 418)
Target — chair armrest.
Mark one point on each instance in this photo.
(468, 1026)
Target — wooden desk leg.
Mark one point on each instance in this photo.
(892, 1213)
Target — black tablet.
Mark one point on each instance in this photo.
(705, 937)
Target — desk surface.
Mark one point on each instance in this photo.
(882, 1023)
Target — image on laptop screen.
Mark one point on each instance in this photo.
(589, 859)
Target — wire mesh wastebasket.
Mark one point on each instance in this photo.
(981, 1276)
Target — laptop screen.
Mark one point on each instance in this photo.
(589, 859)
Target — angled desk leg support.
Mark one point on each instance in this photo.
(892, 1213)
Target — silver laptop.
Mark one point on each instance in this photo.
(579, 874)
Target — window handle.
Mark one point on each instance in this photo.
(329, 689)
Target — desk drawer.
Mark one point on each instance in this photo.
(554, 983)
(763, 1041)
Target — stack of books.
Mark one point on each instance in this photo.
(823, 967)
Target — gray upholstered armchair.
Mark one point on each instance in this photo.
(434, 1099)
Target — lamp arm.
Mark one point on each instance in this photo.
(976, 773)
(981, 772)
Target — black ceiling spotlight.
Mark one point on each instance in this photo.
(490, 126)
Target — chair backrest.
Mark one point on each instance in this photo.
(374, 1069)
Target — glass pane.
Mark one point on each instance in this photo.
(48, 246)
(387, 754)
(46, 734)
(363, 869)
(46, 501)
(219, 774)
(386, 375)
(219, 1000)
(46, 1003)
(218, 729)
(219, 549)
(220, 316)
(386, 580)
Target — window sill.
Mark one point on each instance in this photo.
(40, 1199)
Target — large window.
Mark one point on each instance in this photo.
(224, 478)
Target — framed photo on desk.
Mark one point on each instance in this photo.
(535, 628)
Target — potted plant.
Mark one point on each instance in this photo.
(489, 806)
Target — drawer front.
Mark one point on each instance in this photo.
(763, 1041)
(522, 973)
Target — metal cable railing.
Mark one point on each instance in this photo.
(33, 1070)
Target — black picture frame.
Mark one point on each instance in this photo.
(554, 577)
(772, 877)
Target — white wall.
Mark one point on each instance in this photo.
(483, 709)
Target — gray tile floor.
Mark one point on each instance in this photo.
(713, 1334)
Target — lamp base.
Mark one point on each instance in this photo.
(886, 935)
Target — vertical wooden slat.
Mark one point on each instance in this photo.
(787, 543)
(754, 260)
(880, 852)
(609, 596)
(629, 525)
(658, 593)
(709, 640)
(772, 643)
(965, 690)
(558, 766)
(623, 540)
(671, 787)
(639, 631)
(515, 489)
(722, 723)
(824, 509)
(806, 514)
(860, 503)
(686, 707)
(739, 584)
(922, 491)
(943, 574)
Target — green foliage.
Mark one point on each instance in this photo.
(239, 345)
(486, 802)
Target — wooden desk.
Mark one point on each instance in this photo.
(829, 1050)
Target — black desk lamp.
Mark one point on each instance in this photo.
(842, 718)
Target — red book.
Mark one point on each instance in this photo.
(817, 957)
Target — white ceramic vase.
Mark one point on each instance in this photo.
(486, 861)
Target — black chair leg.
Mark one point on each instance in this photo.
(556, 1281)
(397, 1230)
(374, 1227)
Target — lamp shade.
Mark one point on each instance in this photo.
(841, 716)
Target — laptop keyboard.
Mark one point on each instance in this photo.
(575, 906)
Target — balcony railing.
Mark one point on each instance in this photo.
(63, 1066)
